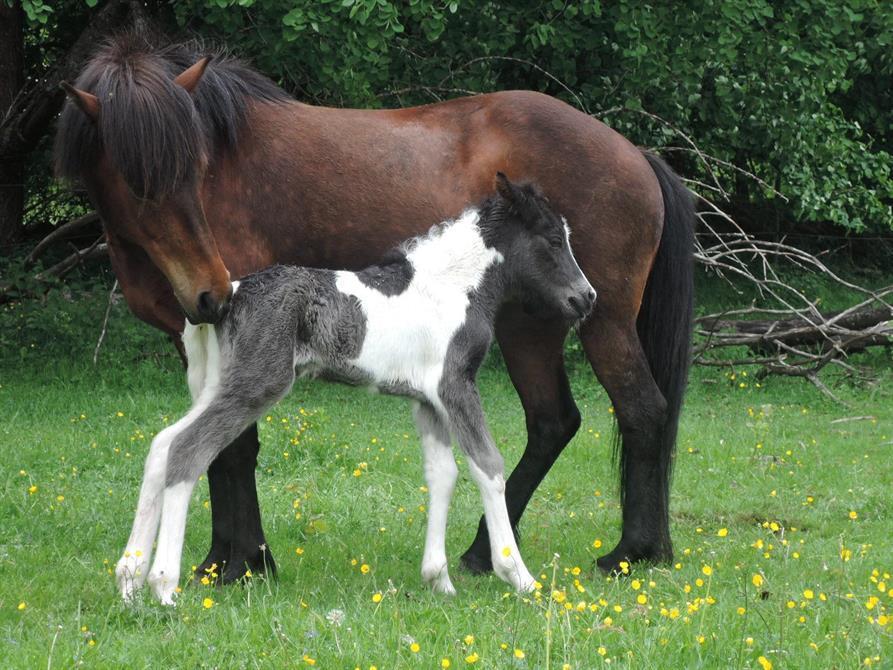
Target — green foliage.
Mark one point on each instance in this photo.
(765, 85)
(798, 92)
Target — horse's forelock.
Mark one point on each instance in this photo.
(153, 132)
(149, 127)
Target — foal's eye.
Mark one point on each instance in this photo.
(555, 243)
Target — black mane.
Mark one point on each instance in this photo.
(152, 130)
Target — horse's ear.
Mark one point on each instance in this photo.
(87, 102)
(190, 77)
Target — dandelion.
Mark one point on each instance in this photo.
(472, 658)
(757, 580)
(722, 532)
(707, 570)
(765, 663)
(309, 660)
(469, 639)
(641, 599)
(597, 544)
(365, 569)
(299, 551)
(208, 603)
(602, 651)
(414, 647)
(335, 617)
(808, 594)
(854, 515)
(519, 654)
(21, 606)
(376, 597)
(32, 489)
(445, 663)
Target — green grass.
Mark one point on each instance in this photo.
(766, 463)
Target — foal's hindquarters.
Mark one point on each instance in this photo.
(230, 393)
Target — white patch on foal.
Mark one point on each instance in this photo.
(407, 335)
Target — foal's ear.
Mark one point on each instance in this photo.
(507, 189)
(190, 77)
(86, 102)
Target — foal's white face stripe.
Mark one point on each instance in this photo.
(567, 239)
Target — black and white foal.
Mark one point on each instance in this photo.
(417, 325)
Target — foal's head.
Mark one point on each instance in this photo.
(535, 242)
(133, 135)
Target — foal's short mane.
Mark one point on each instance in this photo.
(151, 130)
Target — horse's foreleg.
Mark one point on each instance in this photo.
(619, 362)
(463, 406)
(534, 355)
(237, 536)
(440, 475)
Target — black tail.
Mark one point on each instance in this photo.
(665, 319)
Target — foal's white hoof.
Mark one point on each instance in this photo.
(164, 587)
(439, 580)
(130, 574)
(515, 574)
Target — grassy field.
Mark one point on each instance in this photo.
(781, 515)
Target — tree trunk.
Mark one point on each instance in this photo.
(12, 167)
(30, 110)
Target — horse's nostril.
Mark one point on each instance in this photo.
(591, 296)
(575, 304)
(206, 304)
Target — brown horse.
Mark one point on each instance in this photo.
(204, 171)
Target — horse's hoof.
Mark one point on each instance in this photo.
(258, 563)
(621, 559)
(476, 564)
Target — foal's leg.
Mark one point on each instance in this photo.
(440, 474)
(463, 406)
(132, 568)
(190, 454)
(533, 350)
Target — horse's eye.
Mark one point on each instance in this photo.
(555, 243)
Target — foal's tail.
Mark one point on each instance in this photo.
(665, 319)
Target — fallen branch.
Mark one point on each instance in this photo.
(99, 249)
(65, 231)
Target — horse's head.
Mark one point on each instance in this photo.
(541, 267)
(133, 134)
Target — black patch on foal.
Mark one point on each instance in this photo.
(390, 276)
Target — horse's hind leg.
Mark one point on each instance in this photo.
(533, 350)
(440, 475)
(616, 355)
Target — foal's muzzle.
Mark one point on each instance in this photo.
(582, 303)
